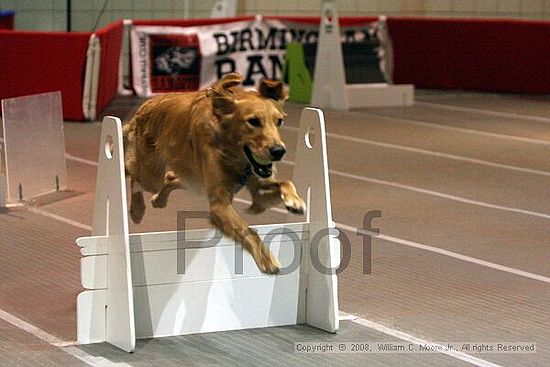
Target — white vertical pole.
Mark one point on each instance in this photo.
(124, 60)
(91, 78)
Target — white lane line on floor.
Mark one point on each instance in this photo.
(442, 195)
(478, 111)
(419, 341)
(429, 248)
(29, 328)
(434, 125)
(455, 255)
(66, 346)
(434, 193)
(80, 160)
(432, 153)
(60, 218)
(410, 188)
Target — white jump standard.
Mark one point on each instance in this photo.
(134, 290)
(329, 82)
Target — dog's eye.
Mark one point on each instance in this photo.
(254, 122)
(280, 123)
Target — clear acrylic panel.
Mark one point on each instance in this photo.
(34, 146)
(2, 177)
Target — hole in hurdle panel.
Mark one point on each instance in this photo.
(109, 146)
(327, 19)
(310, 138)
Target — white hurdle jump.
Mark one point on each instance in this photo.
(134, 290)
(329, 82)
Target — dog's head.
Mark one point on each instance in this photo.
(250, 121)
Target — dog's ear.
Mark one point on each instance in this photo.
(223, 86)
(273, 89)
(223, 103)
(223, 106)
(231, 80)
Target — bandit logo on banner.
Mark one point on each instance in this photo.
(175, 63)
(171, 59)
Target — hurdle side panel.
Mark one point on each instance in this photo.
(3, 185)
(329, 80)
(319, 290)
(111, 220)
(3, 191)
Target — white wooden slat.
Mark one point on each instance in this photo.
(379, 94)
(90, 316)
(197, 307)
(158, 241)
(213, 263)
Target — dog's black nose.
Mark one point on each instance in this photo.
(277, 152)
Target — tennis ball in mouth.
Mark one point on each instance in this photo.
(263, 162)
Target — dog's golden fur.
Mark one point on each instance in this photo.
(198, 140)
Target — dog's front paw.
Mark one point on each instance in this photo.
(268, 263)
(291, 200)
(294, 204)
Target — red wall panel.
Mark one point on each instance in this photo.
(110, 40)
(476, 54)
(39, 62)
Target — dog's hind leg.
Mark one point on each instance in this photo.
(137, 205)
(267, 193)
(171, 183)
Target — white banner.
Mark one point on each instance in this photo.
(168, 59)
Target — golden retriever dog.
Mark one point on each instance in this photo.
(214, 141)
